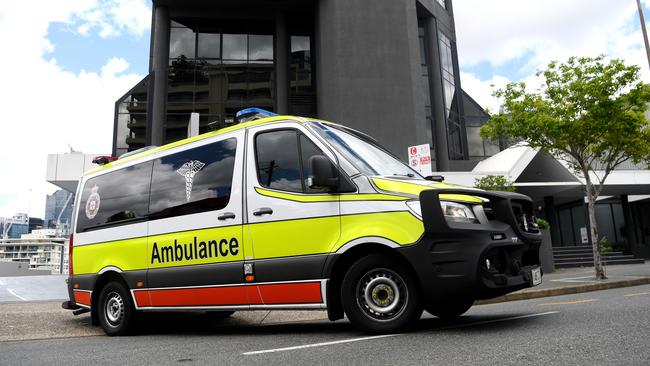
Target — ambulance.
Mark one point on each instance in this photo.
(284, 212)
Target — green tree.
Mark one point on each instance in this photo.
(494, 183)
(589, 113)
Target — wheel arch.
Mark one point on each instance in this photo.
(105, 277)
(338, 266)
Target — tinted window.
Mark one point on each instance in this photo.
(283, 160)
(278, 164)
(193, 181)
(121, 196)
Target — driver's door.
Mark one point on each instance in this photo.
(292, 227)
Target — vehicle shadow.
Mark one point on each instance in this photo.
(187, 324)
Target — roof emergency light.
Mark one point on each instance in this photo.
(251, 114)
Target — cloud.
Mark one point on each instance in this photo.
(46, 107)
(533, 32)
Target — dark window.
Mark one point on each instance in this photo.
(115, 198)
(192, 181)
(450, 92)
(283, 160)
(278, 160)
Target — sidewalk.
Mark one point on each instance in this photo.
(577, 280)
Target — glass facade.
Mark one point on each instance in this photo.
(609, 217)
(426, 87)
(217, 68)
(442, 3)
(454, 128)
(131, 118)
(302, 93)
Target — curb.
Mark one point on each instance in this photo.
(565, 290)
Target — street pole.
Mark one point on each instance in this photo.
(644, 30)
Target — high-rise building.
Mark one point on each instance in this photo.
(385, 67)
(58, 209)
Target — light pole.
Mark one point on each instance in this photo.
(643, 29)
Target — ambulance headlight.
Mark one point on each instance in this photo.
(458, 212)
(414, 207)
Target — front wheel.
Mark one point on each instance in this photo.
(380, 295)
(116, 311)
(450, 309)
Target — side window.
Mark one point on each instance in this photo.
(278, 160)
(283, 160)
(193, 181)
(121, 196)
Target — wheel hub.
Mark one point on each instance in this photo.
(114, 308)
(382, 294)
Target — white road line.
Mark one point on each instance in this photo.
(350, 340)
(15, 294)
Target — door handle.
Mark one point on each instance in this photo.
(226, 216)
(263, 211)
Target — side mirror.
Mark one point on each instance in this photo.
(435, 178)
(322, 173)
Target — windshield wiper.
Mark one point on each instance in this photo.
(410, 175)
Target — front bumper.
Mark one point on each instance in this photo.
(451, 259)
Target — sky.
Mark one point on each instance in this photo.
(65, 63)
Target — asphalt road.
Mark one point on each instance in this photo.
(597, 328)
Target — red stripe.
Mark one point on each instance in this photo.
(207, 296)
(142, 298)
(291, 293)
(281, 293)
(82, 297)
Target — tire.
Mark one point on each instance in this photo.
(450, 309)
(115, 309)
(216, 315)
(380, 295)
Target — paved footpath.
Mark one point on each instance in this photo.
(24, 320)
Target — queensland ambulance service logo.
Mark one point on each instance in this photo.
(188, 170)
(92, 205)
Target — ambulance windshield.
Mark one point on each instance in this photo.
(364, 153)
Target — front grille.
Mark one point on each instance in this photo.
(525, 216)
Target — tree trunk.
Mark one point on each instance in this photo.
(593, 232)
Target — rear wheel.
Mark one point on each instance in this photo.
(380, 295)
(450, 309)
(115, 309)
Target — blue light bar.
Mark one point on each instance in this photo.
(251, 114)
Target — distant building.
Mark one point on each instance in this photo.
(14, 227)
(58, 210)
(42, 249)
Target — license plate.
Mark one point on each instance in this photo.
(536, 276)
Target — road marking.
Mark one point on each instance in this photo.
(350, 340)
(576, 279)
(15, 294)
(568, 302)
(637, 294)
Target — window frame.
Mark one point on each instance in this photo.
(298, 133)
(129, 221)
(158, 216)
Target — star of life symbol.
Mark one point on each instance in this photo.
(188, 170)
(92, 205)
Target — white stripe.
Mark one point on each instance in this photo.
(319, 344)
(350, 340)
(15, 294)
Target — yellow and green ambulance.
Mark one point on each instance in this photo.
(287, 212)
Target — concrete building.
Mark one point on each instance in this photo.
(385, 67)
(42, 249)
